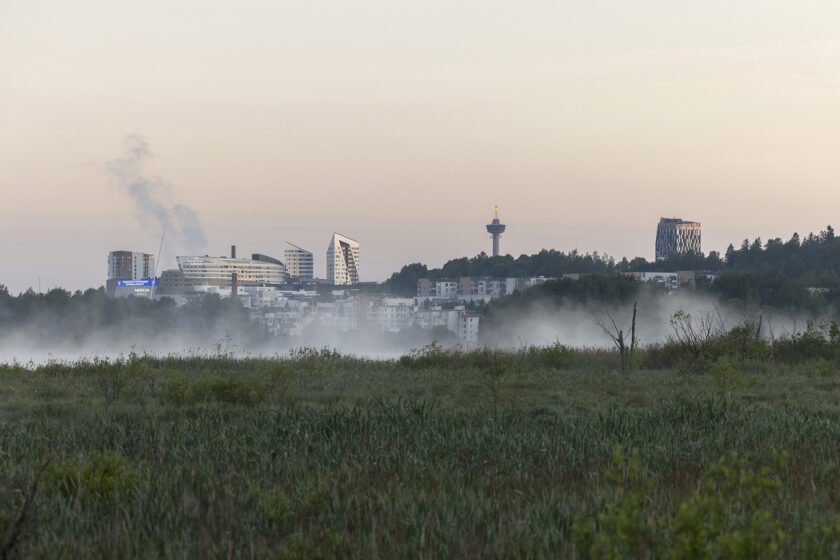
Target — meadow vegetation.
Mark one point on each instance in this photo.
(716, 444)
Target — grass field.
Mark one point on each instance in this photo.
(537, 453)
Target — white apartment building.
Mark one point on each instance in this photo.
(670, 280)
(428, 319)
(260, 296)
(343, 261)
(488, 287)
(464, 324)
(465, 289)
(281, 314)
(394, 314)
(468, 326)
(300, 263)
(339, 315)
(517, 284)
(446, 289)
(286, 320)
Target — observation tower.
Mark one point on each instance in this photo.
(496, 229)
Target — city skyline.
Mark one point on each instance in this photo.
(391, 122)
(100, 275)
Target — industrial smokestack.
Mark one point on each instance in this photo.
(234, 281)
(233, 251)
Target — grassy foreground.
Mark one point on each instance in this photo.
(536, 454)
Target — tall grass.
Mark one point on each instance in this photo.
(401, 479)
(448, 453)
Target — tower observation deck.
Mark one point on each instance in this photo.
(496, 229)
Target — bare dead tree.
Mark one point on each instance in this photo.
(633, 335)
(616, 334)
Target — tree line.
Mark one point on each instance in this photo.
(83, 316)
(781, 273)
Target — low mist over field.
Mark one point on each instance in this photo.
(542, 321)
(58, 325)
(61, 326)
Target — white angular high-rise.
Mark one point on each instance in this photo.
(343, 261)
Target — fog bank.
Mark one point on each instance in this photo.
(219, 327)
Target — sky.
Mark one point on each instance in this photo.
(402, 124)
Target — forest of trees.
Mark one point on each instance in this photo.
(750, 290)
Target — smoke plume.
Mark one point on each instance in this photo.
(153, 198)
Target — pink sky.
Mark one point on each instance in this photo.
(403, 124)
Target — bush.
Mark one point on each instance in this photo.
(238, 390)
(698, 345)
(730, 515)
(666, 355)
(725, 374)
(176, 392)
(99, 475)
(822, 368)
(235, 389)
(554, 356)
(819, 340)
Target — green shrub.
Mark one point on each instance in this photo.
(726, 516)
(819, 340)
(665, 355)
(557, 356)
(626, 527)
(276, 507)
(175, 392)
(238, 389)
(730, 515)
(822, 540)
(98, 474)
(822, 368)
(725, 373)
(235, 389)
(319, 544)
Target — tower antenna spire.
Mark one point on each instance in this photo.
(157, 261)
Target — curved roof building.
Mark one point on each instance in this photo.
(218, 270)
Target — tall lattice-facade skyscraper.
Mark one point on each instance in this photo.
(343, 261)
(676, 237)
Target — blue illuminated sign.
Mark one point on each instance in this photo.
(137, 282)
